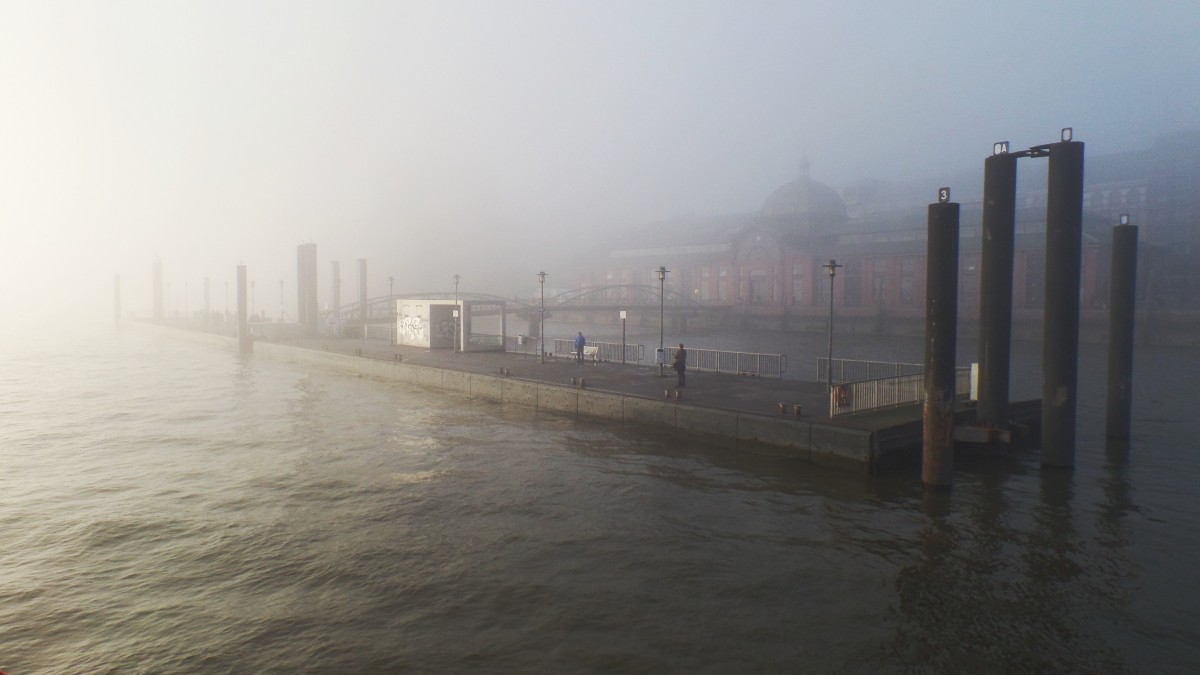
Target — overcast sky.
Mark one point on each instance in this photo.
(478, 138)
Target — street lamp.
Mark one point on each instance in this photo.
(542, 327)
(831, 266)
(662, 294)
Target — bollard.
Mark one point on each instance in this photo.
(677, 395)
(582, 384)
(572, 381)
(995, 291)
(666, 393)
(941, 323)
(1120, 329)
(1060, 341)
(798, 409)
(782, 409)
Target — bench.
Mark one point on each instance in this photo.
(591, 352)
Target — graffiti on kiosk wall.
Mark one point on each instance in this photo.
(413, 328)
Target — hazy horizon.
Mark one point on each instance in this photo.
(495, 139)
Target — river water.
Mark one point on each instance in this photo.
(172, 508)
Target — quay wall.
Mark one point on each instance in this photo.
(824, 444)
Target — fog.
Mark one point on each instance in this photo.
(494, 139)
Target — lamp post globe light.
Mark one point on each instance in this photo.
(662, 293)
(831, 266)
(542, 326)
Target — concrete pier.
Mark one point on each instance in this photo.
(736, 412)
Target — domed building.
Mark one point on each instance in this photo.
(804, 206)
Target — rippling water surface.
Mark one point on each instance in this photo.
(168, 507)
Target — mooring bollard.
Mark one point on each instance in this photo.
(782, 409)
(572, 380)
(582, 384)
(798, 409)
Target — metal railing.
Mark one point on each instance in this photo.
(736, 363)
(850, 370)
(885, 392)
(521, 344)
(608, 351)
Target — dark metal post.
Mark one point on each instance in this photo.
(1120, 328)
(244, 343)
(941, 331)
(995, 290)
(362, 293)
(542, 327)
(1060, 346)
(457, 314)
(335, 287)
(622, 336)
(831, 267)
(662, 295)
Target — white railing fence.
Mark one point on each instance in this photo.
(884, 392)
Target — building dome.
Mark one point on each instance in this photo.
(806, 199)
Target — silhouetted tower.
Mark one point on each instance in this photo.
(158, 290)
(362, 292)
(335, 286)
(306, 288)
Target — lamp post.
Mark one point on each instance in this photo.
(542, 326)
(662, 294)
(831, 266)
(456, 312)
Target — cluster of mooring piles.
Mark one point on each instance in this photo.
(1060, 339)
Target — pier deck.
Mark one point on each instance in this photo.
(743, 410)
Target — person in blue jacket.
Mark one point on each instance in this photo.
(580, 341)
